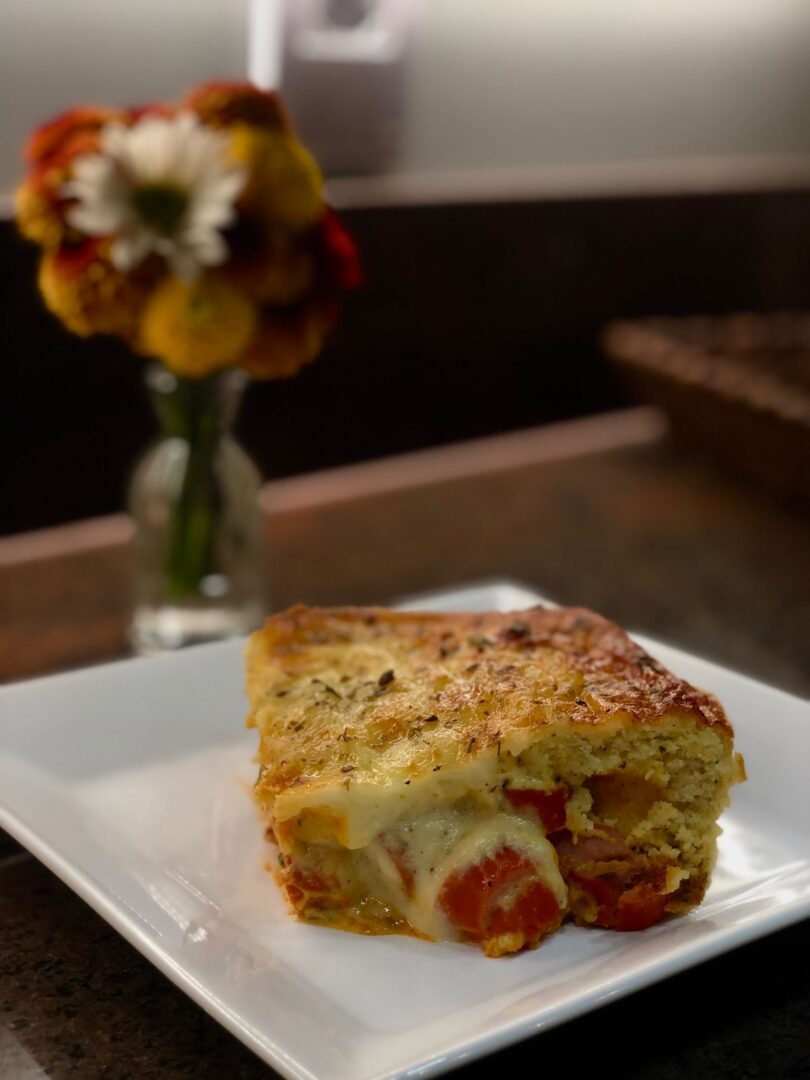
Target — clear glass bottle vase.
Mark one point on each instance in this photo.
(194, 500)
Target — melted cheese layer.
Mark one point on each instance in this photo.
(447, 842)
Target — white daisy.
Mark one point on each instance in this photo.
(165, 186)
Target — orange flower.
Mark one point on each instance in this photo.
(197, 328)
(221, 104)
(285, 341)
(291, 330)
(84, 290)
(50, 137)
(39, 202)
(272, 267)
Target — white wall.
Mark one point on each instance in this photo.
(506, 84)
(548, 82)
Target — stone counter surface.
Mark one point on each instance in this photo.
(78, 1002)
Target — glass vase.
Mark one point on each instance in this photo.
(194, 500)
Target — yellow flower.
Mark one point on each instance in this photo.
(284, 182)
(197, 328)
(88, 294)
(38, 216)
(284, 343)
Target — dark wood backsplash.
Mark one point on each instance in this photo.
(474, 319)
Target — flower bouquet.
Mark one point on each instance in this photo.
(199, 235)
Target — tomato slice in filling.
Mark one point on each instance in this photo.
(502, 894)
(549, 805)
(640, 907)
(625, 889)
(621, 905)
(310, 888)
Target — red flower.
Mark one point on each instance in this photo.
(220, 104)
(40, 200)
(339, 253)
(50, 139)
(72, 260)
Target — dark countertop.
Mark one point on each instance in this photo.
(654, 537)
(80, 1002)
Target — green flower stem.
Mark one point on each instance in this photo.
(190, 413)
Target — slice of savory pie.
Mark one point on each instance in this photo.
(479, 777)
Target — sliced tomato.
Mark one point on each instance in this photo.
(606, 845)
(295, 894)
(534, 913)
(501, 894)
(605, 892)
(311, 880)
(309, 888)
(549, 805)
(623, 907)
(640, 907)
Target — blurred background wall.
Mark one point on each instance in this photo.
(462, 84)
(516, 175)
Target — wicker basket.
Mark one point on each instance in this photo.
(738, 385)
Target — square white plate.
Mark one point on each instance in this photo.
(131, 782)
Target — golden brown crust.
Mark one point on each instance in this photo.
(417, 691)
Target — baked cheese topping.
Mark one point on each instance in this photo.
(477, 777)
